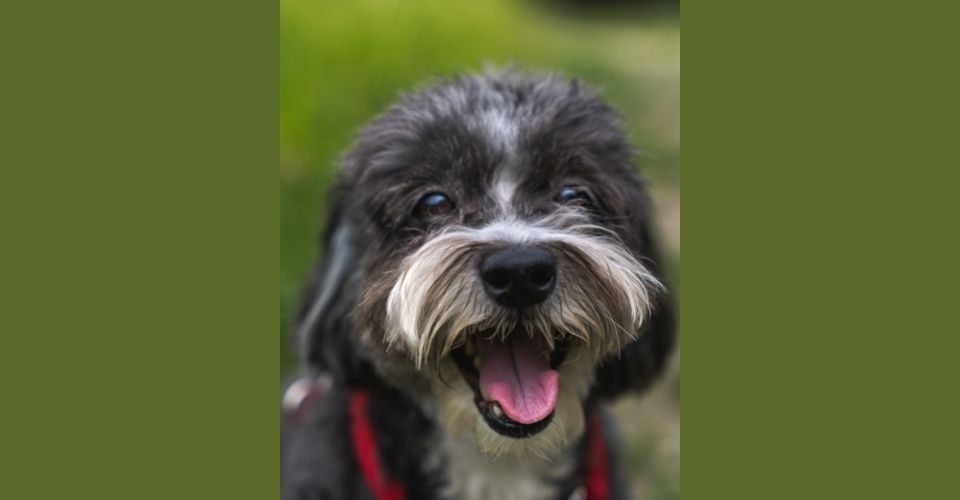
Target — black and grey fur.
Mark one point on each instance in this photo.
(399, 290)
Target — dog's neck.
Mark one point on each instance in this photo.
(473, 476)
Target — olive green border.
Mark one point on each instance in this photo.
(140, 264)
(816, 293)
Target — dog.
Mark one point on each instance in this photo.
(489, 279)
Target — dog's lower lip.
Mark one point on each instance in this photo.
(503, 425)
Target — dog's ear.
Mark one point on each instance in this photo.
(322, 326)
(640, 363)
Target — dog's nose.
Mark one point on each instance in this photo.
(519, 276)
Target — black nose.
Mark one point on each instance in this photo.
(519, 276)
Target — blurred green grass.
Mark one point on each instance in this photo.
(343, 62)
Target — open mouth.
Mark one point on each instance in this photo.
(515, 380)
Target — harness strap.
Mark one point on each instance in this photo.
(384, 487)
(365, 449)
(595, 474)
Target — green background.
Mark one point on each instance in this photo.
(139, 211)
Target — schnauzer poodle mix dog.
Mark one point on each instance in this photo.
(488, 280)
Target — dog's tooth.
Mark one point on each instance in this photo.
(476, 362)
(495, 408)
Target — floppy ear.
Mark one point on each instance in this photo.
(642, 361)
(322, 326)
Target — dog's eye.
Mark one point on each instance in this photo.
(434, 204)
(574, 194)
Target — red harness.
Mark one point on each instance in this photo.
(383, 487)
(380, 484)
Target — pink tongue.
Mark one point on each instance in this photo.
(515, 374)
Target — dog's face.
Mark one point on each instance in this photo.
(490, 251)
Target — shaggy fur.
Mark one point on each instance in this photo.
(397, 292)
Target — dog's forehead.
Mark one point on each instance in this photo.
(492, 142)
(491, 159)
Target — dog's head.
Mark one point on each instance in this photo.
(489, 253)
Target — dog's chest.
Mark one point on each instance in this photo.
(472, 477)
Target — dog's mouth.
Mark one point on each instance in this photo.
(515, 380)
